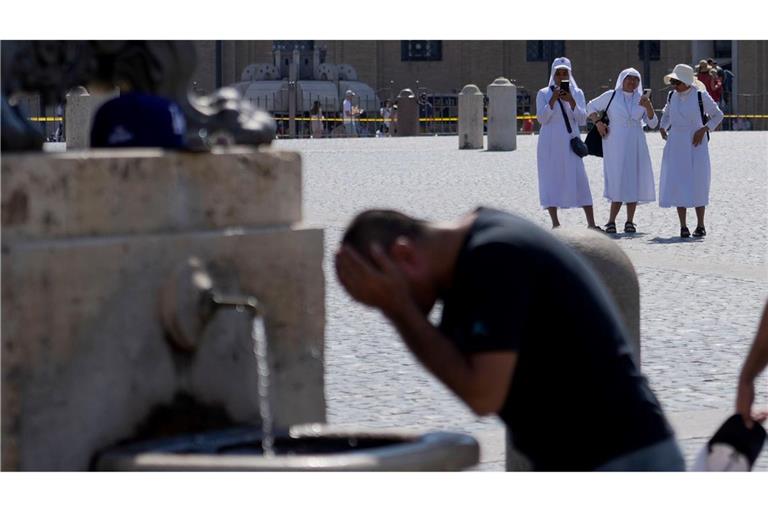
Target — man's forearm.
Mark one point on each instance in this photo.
(434, 350)
(758, 354)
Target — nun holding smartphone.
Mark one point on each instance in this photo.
(626, 162)
(562, 179)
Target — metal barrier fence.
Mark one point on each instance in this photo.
(443, 121)
(371, 127)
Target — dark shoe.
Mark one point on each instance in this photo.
(699, 231)
(610, 227)
(596, 228)
(630, 227)
(684, 233)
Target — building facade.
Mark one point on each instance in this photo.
(444, 67)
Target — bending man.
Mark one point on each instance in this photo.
(527, 333)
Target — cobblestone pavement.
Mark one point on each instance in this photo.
(700, 299)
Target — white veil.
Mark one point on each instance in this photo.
(629, 72)
(563, 62)
(638, 90)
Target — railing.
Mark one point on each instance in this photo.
(443, 121)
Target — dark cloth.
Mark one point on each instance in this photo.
(136, 119)
(576, 399)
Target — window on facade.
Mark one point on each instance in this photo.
(293, 45)
(654, 50)
(544, 51)
(722, 50)
(421, 50)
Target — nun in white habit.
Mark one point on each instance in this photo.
(626, 162)
(562, 179)
(685, 168)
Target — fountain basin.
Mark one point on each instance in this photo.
(315, 447)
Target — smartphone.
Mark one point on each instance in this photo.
(565, 85)
(647, 93)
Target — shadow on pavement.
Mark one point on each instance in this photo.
(675, 240)
(626, 235)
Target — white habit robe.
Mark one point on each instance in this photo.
(685, 169)
(562, 179)
(627, 167)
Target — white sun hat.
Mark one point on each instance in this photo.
(684, 73)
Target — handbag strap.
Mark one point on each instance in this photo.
(567, 123)
(609, 102)
(701, 110)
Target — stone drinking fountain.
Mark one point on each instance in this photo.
(164, 310)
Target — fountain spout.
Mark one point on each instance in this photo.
(191, 297)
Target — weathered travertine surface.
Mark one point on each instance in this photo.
(109, 192)
(84, 356)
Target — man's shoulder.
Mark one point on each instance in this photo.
(498, 233)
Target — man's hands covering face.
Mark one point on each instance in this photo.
(384, 288)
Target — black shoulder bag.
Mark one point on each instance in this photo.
(594, 139)
(577, 145)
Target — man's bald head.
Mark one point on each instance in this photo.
(382, 227)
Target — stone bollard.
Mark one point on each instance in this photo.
(78, 115)
(502, 115)
(617, 273)
(615, 270)
(470, 118)
(407, 114)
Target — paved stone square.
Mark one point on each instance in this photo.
(700, 298)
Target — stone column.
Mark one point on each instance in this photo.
(78, 115)
(293, 76)
(470, 118)
(407, 114)
(502, 115)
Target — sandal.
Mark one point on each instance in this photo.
(610, 227)
(630, 227)
(699, 231)
(684, 233)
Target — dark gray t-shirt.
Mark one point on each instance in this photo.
(576, 399)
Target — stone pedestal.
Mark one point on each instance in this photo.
(407, 114)
(89, 241)
(470, 118)
(502, 115)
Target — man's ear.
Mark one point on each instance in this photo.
(406, 255)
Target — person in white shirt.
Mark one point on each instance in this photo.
(685, 166)
(562, 179)
(627, 165)
(349, 114)
(386, 114)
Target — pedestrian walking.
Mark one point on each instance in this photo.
(562, 179)
(316, 119)
(627, 167)
(685, 166)
(350, 113)
(386, 115)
